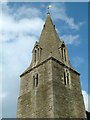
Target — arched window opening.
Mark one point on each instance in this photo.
(38, 53)
(35, 55)
(68, 78)
(65, 54)
(62, 52)
(35, 80)
(64, 78)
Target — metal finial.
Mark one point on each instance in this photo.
(48, 8)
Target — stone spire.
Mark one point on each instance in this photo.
(49, 40)
(49, 32)
(49, 45)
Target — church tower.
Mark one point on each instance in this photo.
(50, 86)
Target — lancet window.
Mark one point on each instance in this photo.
(36, 54)
(66, 77)
(35, 80)
(63, 52)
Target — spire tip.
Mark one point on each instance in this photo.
(48, 9)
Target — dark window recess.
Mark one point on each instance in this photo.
(35, 80)
(65, 54)
(64, 78)
(68, 78)
(44, 26)
(38, 52)
(35, 55)
(62, 52)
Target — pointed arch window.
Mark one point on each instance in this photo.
(35, 55)
(65, 54)
(35, 80)
(66, 77)
(38, 52)
(62, 52)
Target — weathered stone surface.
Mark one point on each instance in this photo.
(50, 87)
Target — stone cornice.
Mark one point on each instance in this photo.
(50, 58)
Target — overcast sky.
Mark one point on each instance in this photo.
(21, 25)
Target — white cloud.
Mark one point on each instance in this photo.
(71, 39)
(2, 97)
(23, 20)
(59, 13)
(17, 37)
(11, 28)
(86, 97)
(28, 12)
(1, 94)
(77, 61)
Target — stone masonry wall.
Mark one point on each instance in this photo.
(38, 101)
(51, 98)
(68, 100)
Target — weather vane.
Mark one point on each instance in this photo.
(48, 8)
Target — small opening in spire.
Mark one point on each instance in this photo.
(44, 25)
